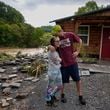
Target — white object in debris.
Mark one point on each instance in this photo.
(2, 70)
(9, 98)
(4, 85)
(12, 75)
(84, 72)
(4, 103)
(13, 84)
(29, 79)
(35, 80)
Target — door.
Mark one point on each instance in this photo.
(106, 43)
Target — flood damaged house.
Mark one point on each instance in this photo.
(94, 30)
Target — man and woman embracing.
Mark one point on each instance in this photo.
(62, 65)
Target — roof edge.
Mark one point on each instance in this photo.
(84, 14)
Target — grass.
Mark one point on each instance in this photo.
(5, 57)
(89, 60)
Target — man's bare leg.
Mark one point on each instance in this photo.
(63, 99)
(79, 90)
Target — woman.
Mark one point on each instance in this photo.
(54, 73)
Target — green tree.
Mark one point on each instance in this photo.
(28, 34)
(45, 39)
(15, 33)
(89, 6)
(47, 28)
(9, 14)
(37, 35)
(6, 37)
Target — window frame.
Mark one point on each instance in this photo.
(88, 35)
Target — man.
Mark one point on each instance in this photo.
(69, 64)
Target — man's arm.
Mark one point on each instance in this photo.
(75, 54)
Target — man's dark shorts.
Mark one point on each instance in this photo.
(70, 71)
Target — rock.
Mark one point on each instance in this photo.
(0, 102)
(25, 63)
(21, 95)
(18, 81)
(9, 99)
(19, 68)
(14, 68)
(14, 71)
(33, 92)
(46, 78)
(15, 85)
(6, 91)
(24, 71)
(4, 67)
(4, 77)
(1, 63)
(13, 63)
(0, 76)
(29, 79)
(27, 67)
(2, 70)
(14, 101)
(5, 85)
(17, 60)
(4, 103)
(35, 80)
(0, 84)
(6, 63)
(13, 76)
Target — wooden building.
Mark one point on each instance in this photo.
(93, 28)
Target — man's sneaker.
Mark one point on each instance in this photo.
(81, 100)
(63, 99)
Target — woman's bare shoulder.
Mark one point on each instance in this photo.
(51, 48)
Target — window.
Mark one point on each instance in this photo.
(83, 32)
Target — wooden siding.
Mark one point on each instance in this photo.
(95, 21)
(67, 26)
(107, 13)
(94, 36)
(94, 40)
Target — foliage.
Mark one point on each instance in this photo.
(14, 32)
(37, 68)
(10, 14)
(47, 28)
(85, 56)
(15, 35)
(40, 37)
(4, 57)
(89, 60)
(45, 39)
(89, 6)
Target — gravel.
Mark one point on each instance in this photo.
(96, 89)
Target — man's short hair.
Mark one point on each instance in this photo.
(56, 29)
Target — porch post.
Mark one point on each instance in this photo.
(101, 41)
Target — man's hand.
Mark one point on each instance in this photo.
(75, 54)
